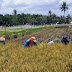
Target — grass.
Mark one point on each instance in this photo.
(70, 27)
(44, 58)
(18, 31)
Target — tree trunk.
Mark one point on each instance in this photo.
(5, 28)
(64, 17)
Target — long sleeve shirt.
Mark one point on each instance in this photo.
(26, 44)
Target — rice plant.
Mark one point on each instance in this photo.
(44, 58)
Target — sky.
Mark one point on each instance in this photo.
(34, 6)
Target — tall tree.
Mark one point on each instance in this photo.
(64, 7)
(54, 18)
(68, 19)
(15, 13)
(50, 20)
(23, 16)
(50, 12)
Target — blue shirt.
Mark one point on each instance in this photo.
(66, 41)
(26, 44)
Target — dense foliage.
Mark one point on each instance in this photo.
(35, 19)
(22, 19)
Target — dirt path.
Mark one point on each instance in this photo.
(45, 35)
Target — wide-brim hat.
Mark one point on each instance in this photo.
(2, 39)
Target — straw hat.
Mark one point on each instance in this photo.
(33, 39)
(2, 39)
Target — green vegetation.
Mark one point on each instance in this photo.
(44, 58)
(18, 31)
(35, 19)
(71, 27)
(64, 7)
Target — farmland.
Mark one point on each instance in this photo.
(18, 31)
(46, 35)
(44, 58)
(36, 36)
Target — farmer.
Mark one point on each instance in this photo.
(65, 40)
(30, 42)
(54, 40)
(2, 40)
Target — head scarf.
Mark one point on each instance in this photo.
(32, 40)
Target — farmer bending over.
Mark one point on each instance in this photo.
(2, 40)
(54, 41)
(65, 40)
(30, 42)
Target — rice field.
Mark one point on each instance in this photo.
(45, 35)
(11, 31)
(44, 58)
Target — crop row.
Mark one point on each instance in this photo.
(45, 35)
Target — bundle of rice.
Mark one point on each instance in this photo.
(2, 39)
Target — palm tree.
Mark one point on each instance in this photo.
(50, 12)
(50, 16)
(64, 7)
(15, 13)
